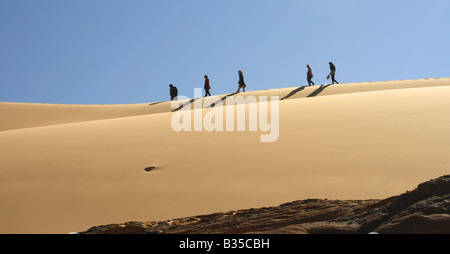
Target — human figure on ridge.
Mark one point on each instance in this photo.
(309, 75)
(173, 92)
(207, 86)
(241, 81)
(332, 73)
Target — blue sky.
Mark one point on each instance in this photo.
(120, 52)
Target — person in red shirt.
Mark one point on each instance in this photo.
(207, 86)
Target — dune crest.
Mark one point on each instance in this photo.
(28, 115)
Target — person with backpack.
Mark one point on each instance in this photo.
(207, 86)
(173, 92)
(332, 73)
(241, 81)
(309, 75)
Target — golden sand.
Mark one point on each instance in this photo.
(65, 168)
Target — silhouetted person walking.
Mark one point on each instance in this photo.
(173, 92)
(241, 81)
(309, 75)
(207, 86)
(332, 73)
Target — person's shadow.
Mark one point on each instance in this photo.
(222, 99)
(293, 92)
(318, 90)
(185, 104)
(154, 103)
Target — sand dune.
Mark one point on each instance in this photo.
(66, 168)
(27, 115)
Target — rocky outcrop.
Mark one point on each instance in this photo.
(425, 210)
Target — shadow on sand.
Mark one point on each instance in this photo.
(315, 93)
(154, 103)
(293, 92)
(185, 104)
(318, 90)
(222, 99)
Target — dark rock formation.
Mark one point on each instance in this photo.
(425, 210)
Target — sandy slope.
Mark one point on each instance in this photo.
(66, 168)
(26, 115)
